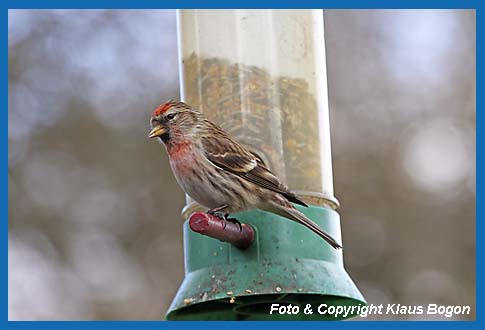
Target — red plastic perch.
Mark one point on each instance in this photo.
(215, 227)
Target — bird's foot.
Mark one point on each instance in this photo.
(233, 220)
(216, 210)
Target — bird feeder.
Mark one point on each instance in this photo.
(261, 75)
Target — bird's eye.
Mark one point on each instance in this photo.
(170, 116)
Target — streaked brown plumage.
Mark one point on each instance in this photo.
(217, 171)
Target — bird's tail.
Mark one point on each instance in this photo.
(299, 217)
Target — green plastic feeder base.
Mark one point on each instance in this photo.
(286, 264)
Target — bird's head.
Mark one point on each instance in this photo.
(172, 120)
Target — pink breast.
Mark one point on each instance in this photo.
(182, 159)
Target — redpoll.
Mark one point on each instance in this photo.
(217, 171)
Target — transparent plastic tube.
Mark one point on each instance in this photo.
(261, 75)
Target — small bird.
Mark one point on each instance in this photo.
(217, 171)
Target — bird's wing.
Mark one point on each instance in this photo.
(229, 155)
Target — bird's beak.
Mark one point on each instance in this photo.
(157, 131)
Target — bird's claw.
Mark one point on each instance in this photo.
(233, 220)
(216, 210)
(224, 216)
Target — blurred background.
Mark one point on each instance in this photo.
(95, 230)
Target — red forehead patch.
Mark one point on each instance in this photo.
(162, 109)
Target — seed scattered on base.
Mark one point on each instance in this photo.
(278, 289)
(188, 301)
(248, 291)
(229, 293)
(300, 290)
(232, 300)
(213, 276)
